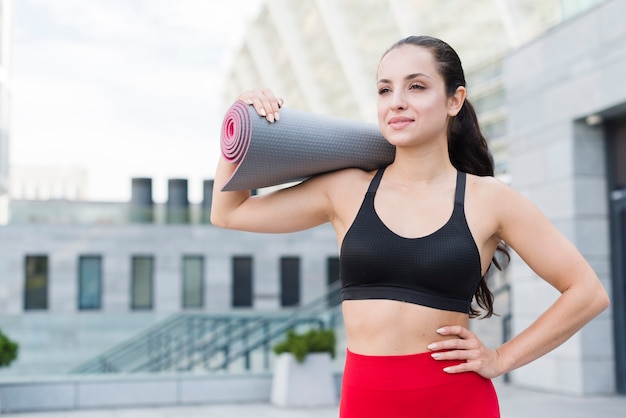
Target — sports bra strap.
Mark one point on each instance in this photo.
(376, 181)
(459, 195)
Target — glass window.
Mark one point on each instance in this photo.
(332, 277)
(142, 282)
(89, 282)
(36, 283)
(617, 133)
(193, 281)
(290, 281)
(242, 281)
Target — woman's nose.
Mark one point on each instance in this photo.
(398, 100)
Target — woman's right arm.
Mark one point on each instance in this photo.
(295, 208)
(286, 210)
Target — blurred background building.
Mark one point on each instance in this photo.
(6, 23)
(322, 55)
(78, 278)
(48, 183)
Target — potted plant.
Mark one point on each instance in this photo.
(8, 353)
(8, 350)
(303, 374)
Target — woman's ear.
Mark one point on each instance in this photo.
(455, 102)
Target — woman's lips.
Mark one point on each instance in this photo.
(400, 122)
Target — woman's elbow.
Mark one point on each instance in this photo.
(604, 301)
(217, 219)
(600, 299)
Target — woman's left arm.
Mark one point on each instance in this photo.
(555, 259)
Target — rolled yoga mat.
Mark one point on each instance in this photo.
(298, 146)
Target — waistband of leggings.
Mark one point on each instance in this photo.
(400, 372)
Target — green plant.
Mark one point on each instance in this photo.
(8, 350)
(313, 341)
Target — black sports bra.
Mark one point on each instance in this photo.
(441, 270)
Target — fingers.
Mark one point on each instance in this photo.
(456, 349)
(264, 101)
(479, 361)
(458, 330)
(468, 349)
(466, 340)
(462, 368)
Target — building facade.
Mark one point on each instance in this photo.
(567, 142)
(78, 277)
(322, 55)
(6, 19)
(70, 292)
(34, 182)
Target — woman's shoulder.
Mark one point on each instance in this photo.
(497, 195)
(345, 184)
(344, 190)
(346, 177)
(487, 185)
(492, 192)
(356, 174)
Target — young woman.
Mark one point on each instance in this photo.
(416, 239)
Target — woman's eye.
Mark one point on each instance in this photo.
(383, 90)
(416, 87)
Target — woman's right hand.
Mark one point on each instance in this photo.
(264, 102)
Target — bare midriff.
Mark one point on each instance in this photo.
(381, 327)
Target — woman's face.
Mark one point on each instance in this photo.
(412, 104)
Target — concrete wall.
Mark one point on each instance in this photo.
(557, 160)
(92, 392)
(124, 391)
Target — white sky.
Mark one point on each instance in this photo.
(123, 88)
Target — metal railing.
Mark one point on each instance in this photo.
(186, 342)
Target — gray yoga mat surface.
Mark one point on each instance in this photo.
(299, 145)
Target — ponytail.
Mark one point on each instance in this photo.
(467, 146)
(469, 153)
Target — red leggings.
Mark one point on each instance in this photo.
(413, 386)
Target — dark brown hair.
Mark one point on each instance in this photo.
(467, 147)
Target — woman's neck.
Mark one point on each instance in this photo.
(423, 166)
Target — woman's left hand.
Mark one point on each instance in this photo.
(468, 347)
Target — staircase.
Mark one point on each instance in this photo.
(235, 341)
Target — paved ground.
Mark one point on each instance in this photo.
(515, 403)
